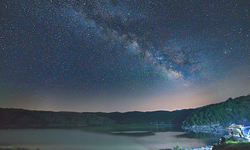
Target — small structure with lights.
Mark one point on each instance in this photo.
(239, 131)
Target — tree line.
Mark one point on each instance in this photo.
(231, 111)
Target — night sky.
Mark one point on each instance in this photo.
(123, 55)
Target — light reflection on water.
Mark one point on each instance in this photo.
(66, 139)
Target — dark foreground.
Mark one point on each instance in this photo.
(233, 146)
(229, 146)
(13, 148)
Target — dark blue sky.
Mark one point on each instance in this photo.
(120, 55)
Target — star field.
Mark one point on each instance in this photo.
(86, 55)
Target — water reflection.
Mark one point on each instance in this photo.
(196, 135)
(140, 132)
(108, 129)
(133, 133)
(122, 139)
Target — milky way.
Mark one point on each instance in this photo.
(91, 50)
(111, 22)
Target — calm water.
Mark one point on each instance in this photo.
(65, 139)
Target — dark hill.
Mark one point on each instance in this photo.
(216, 116)
(207, 118)
(149, 118)
(20, 118)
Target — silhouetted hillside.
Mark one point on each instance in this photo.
(220, 115)
(208, 118)
(149, 118)
(19, 118)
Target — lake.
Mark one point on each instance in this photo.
(76, 139)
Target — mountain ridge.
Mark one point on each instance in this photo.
(209, 117)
